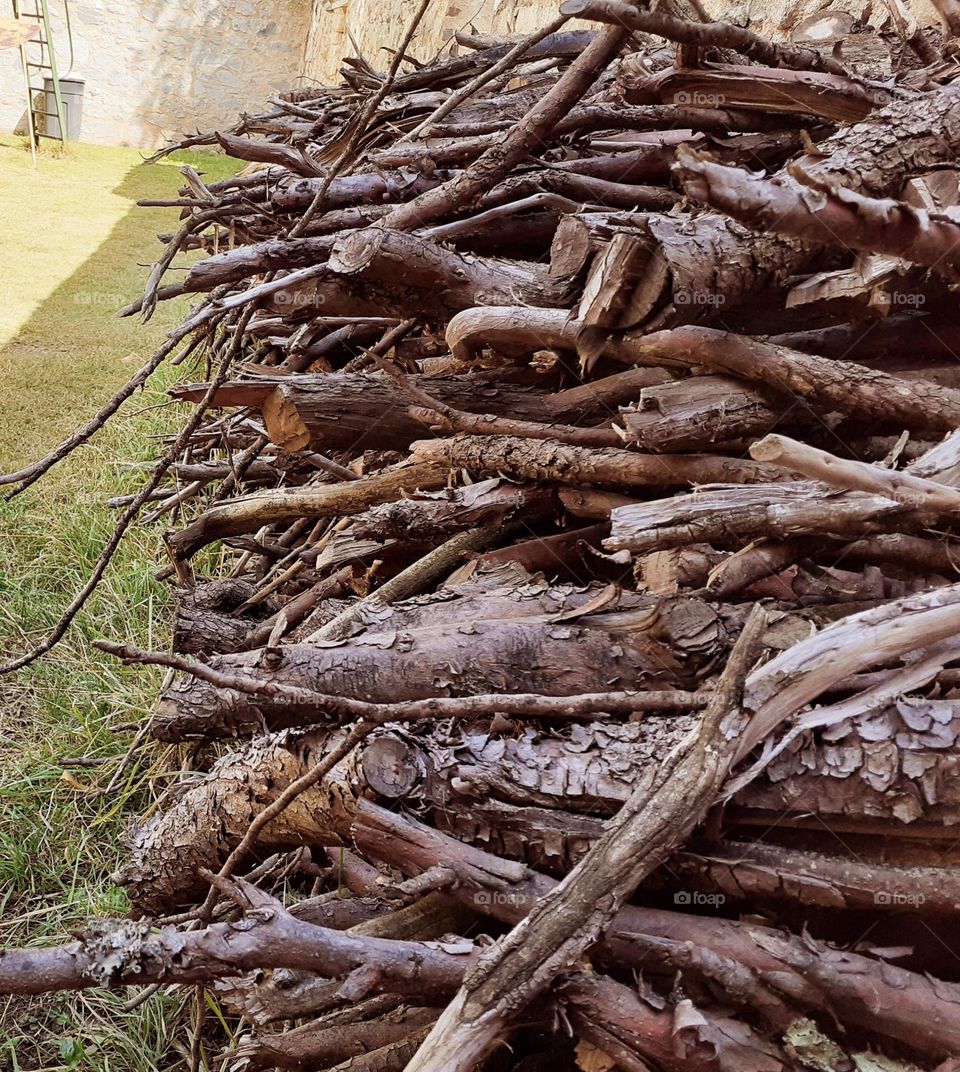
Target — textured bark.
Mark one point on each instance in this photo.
(362, 190)
(287, 993)
(313, 1045)
(255, 259)
(452, 281)
(394, 1057)
(699, 412)
(840, 385)
(679, 1038)
(356, 412)
(767, 89)
(624, 283)
(122, 953)
(900, 770)
(715, 264)
(506, 655)
(919, 404)
(199, 830)
(755, 872)
(912, 491)
(204, 623)
(877, 767)
(526, 459)
(704, 35)
(817, 212)
(897, 763)
(733, 514)
(873, 995)
(427, 698)
(425, 521)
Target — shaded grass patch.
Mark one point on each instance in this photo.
(80, 248)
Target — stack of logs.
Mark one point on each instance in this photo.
(578, 434)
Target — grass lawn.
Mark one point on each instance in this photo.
(75, 248)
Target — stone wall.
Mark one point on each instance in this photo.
(158, 68)
(376, 24)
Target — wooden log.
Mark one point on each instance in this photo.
(828, 96)
(491, 884)
(515, 654)
(731, 514)
(715, 265)
(529, 459)
(453, 281)
(841, 385)
(836, 217)
(697, 413)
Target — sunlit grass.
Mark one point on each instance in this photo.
(76, 249)
(70, 231)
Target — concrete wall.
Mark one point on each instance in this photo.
(378, 23)
(158, 68)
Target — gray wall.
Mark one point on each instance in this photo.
(158, 68)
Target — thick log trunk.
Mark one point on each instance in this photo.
(536, 796)
(699, 412)
(353, 411)
(839, 386)
(452, 281)
(506, 655)
(729, 515)
(766, 89)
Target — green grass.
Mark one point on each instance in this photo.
(75, 248)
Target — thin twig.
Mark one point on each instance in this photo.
(126, 519)
(410, 581)
(467, 91)
(361, 124)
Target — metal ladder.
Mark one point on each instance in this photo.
(41, 64)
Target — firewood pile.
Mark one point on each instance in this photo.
(566, 650)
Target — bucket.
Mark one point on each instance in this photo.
(71, 93)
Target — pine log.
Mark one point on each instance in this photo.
(768, 89)
(453, 281)
(529, 459)
(854, 986)
(818, 212)
(729, 515)
(699, 412)
(840, 386)
(523, 655)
